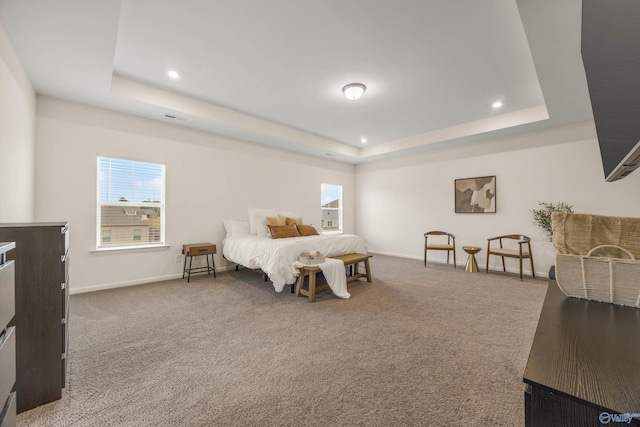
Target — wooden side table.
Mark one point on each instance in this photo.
(198, 249)
(472, 265)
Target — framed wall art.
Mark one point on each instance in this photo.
(476, 195)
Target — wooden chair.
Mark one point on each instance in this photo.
(519, 253)
(450, 246)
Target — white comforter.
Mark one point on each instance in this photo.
(277, 256)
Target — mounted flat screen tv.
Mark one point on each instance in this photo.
(611, 56)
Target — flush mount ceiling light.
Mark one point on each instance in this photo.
(497, 104)
(173, 74)
(354, 90)
(363, 140)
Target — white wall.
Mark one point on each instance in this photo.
(17, 136)
(209, 178)
(399, 200)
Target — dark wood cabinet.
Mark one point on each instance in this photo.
(7, 338)
(41, 304)
(584, 364)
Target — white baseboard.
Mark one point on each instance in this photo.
(131, 282)
(232, 267)
(397, 255)
(463, 264)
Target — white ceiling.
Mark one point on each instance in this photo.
(271, 72)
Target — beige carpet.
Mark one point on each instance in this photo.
(418, 346)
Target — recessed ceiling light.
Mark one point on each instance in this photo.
(363, 140)
(354, 90)
(497, 104)
(173, 74)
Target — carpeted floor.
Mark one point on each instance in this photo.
(418, 346)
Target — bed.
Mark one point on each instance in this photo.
(275, 257)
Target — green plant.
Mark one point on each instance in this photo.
(542, 217)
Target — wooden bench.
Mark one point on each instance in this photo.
(312, 271)
(354, 260)
(349, 260)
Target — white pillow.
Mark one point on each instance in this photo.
(234, 227)
(287, 214)
(262, 229)
(258, 219)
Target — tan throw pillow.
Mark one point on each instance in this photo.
(276, 220)
(294, 221)
(283, 231)
(306, 230)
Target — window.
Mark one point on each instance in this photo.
(130, 206)
(331, 207)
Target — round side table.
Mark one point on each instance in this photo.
(472, 265)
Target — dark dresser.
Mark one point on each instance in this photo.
(7, 338)
(41, 303)
(584, 365)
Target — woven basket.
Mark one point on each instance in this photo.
(613, 280)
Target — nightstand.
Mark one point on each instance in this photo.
(198, 249)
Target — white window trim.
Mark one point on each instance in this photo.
(129, 249)
(132, 247)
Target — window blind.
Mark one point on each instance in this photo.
(130, 205)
